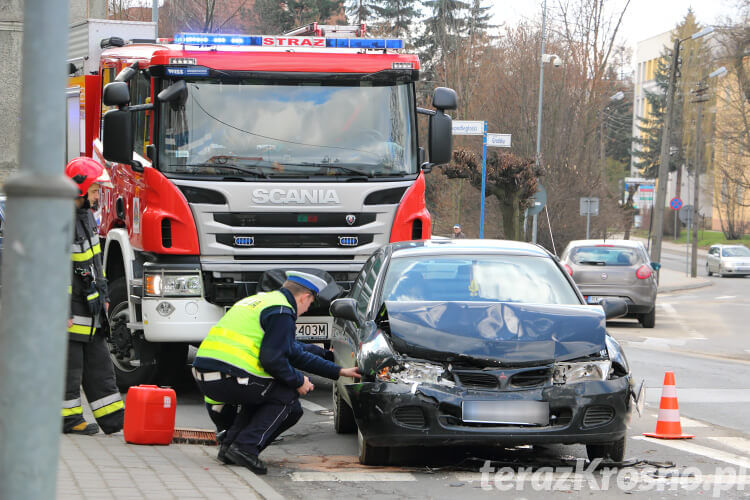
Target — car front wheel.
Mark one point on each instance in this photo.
(343, 416)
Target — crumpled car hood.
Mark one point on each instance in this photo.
(494, 333)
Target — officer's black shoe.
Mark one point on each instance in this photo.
(252, 462)
(220, 435)
(222, 456)
(81, 427)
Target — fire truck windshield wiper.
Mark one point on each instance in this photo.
(254, 171)
(332, 166)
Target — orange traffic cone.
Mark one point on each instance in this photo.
(668, 424)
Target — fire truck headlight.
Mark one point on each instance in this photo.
(172, 285)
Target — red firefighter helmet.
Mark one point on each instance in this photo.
(84, 172)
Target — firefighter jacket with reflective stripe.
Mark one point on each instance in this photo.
(237, 337)
(88, 290)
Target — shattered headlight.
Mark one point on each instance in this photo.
(416, 372)
(568, 373)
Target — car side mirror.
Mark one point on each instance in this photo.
(614, 307)
(345, 308)
(176, 94)
(444, 98)
(117, 136)
(116, 94)
(655, 266)
(440, 139)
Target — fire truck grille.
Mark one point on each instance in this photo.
(306, 219)
(294, 240)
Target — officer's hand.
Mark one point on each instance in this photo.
(350, 372)
(106, 307)
(70, 322)
(306, 387)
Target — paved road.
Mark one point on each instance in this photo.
(699, 335)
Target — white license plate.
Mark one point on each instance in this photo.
(308, 331)
(594, 299)
(506, 412)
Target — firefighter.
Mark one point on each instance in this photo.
(250, 358)
(88, 363)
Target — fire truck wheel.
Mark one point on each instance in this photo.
(121, 341)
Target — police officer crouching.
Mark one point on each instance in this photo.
(250, 358)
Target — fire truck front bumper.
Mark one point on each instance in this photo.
(178, 319)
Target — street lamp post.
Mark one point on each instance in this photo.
(700, 98)
(544, 58)
(661, 189)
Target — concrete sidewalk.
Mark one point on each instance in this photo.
(104, 467)
(675, 281)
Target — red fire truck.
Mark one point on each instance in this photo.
(233, 155)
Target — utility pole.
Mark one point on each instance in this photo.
(661, 188)
(36, 265)
(534, 224)
(700, 98)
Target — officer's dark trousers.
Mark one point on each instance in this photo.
(268, 408)
(89, 365)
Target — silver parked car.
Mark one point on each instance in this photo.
(615, 268)
(725, 260)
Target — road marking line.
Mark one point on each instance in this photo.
(669, 308)
(689, 422)
(352, 477)
(738, 443)
(309, 405)
(726, 297)
(697, 449)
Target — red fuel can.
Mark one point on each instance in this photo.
(149, 415)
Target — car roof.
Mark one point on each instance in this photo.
(619, 243)
(462, 245)
(726, 245)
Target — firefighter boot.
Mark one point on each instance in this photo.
(81, 427)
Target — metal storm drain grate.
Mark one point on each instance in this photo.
(194, 436)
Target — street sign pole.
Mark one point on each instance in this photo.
(484, 179)
(588, 220)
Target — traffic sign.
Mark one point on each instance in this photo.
(468, 127)
(686, 214)
(538, 201)
(498, 140)
(589, 206)
(675, 203)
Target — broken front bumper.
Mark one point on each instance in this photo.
(395, 414)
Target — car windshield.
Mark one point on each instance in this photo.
(249, 128)
(735, 252)
(605, 255)
(503, 278)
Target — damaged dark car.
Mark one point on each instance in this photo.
(477, 343)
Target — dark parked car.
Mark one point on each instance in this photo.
(477, 342)
(614, 268)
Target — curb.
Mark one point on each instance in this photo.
(679, 288)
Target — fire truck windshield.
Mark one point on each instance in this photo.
(246, 128)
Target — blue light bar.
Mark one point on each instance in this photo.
(285, 41)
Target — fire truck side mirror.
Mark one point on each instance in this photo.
(117, 136)
(440, 139)
(444, 98)
(116, 94)
(176, 94)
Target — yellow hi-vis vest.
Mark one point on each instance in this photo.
(236, 338)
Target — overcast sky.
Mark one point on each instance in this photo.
(643, 19)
